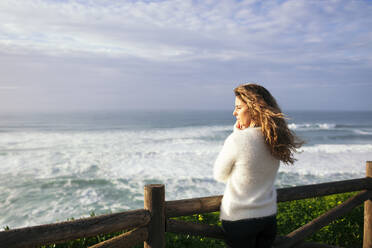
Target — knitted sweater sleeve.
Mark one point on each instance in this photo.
(225, 160)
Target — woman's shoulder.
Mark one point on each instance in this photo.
(248, 136)
(247, 132)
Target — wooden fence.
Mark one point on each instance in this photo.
(149, 225)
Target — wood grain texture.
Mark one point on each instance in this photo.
(69, 230)
(154, 202)
(367, 237)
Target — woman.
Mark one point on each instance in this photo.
(248, 164)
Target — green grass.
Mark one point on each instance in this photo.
(347, 231)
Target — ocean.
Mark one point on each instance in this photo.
(63, 165)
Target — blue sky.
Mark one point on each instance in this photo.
(87, 55)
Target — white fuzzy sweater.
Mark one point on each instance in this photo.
(249, 170)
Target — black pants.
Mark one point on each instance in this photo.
(250, 233)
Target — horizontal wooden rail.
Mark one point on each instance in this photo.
(192, 206)
(301, 233)
(212, 203)
(125, 240)
(196, 229)
(323, 189)
(68, 230)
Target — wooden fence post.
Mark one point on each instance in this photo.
(367, 236)
(155, 202)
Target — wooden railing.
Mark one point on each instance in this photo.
(149, 225)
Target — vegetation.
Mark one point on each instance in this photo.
(346, 231)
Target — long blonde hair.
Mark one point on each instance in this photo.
(266, 112)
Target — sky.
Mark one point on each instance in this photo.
(73, 55)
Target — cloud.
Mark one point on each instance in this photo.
(6, 88)
(181, 30)
(83, 45)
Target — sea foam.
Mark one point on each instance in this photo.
(49, 176)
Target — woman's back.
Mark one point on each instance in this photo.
(250, 191)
